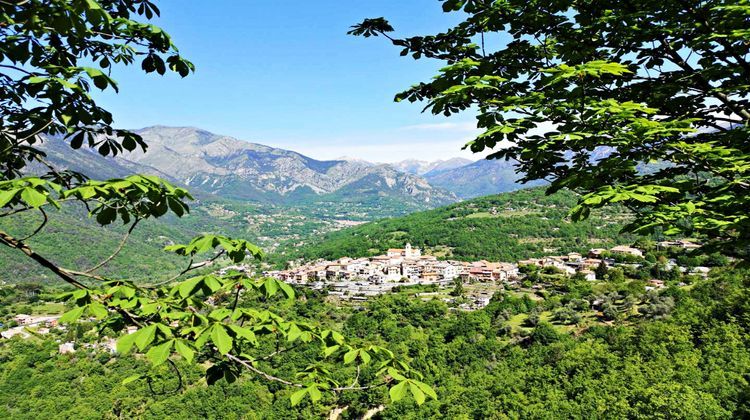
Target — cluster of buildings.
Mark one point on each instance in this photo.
(29, 325)
(585, 265)
(39, 324)
(397, 267)
(105, 344)
(362, 278)
(408, 266)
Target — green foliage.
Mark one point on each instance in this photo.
(598, 99)
(31, 192)
(458, 288)
(187, 319)
(236, 249)
(616, 275)
(69, 232)
(544, 334)
(601, 270)
(137, 196)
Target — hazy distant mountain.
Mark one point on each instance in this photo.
(355, 159)
(421, 167)
(483, 177)
(237, 169)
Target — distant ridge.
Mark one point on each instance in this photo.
(480, 178)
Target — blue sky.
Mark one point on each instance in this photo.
(284, 73)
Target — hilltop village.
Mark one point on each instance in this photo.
(361, 278)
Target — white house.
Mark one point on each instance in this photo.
(623, 249)
(66, 348)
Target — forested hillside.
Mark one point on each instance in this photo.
(502, 227)
(692, 364)
(69, 239)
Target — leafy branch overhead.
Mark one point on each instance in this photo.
(236, 249)
(202, 318)
(643, 103)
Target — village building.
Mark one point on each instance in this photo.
(658, 284)
(596, 252)
(700, 271)
(680, 243)
(15, 331)
(588, 275)
(623, 249)
(66, 348)
(406, 252)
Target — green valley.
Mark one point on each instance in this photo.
(504, 227)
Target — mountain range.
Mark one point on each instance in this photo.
(237, 169)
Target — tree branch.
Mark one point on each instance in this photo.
(259, 372)
(179, 381)
(8, 66)
(272, 378)
(677, 59)
(706, 27)
(117, 251)
(42, 128)
(38, 229)
(23, 209)
(83, 274)
(12, 242)
(190, 267)
(237, 296)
